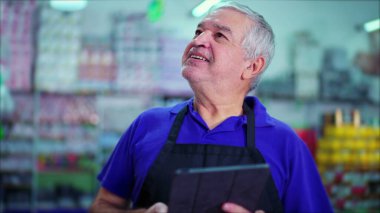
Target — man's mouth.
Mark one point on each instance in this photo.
(198, 57)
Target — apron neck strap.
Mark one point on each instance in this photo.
(250, 125)
(173, 134)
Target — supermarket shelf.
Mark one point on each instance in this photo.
(14, 187)
(64, 171)
(21, 171)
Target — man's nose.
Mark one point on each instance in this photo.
(203, 39)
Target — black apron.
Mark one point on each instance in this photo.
(156, 187)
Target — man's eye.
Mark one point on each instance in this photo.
(197, 32)
(219, 35)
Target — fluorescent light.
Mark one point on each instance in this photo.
(68, 5)
(372, 25)
(203, 7)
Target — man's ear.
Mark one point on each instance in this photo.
(254, 68)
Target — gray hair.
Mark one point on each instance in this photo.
(258, 41)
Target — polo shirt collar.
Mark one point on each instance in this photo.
(175, 109)
(262, 118)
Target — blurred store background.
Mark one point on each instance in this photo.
(74, 76)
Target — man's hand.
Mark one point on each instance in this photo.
(158, 208)
(155, 208)
(234, 208)
(106, 201)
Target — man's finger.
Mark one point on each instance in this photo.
(158, 208)
(233, 208)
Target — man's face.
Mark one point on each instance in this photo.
(215, 55)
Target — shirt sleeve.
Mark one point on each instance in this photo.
(305, 191)
(117, 174)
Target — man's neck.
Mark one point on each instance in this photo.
(216, 111)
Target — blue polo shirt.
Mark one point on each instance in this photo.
(292, 167)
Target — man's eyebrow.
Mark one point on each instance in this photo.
(223, 28)
(219, 27)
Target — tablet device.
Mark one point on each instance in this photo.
(206, 189)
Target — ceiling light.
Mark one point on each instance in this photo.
(68, 5)
(203, 7)
(372, 25)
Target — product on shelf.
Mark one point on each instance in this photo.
(16, 155)
(68, 109)
(135, 42)
(97, 67)
(16, 49)
(306, 58)
(170, 80)
(348, 157)
(59, 42)
(66, 150)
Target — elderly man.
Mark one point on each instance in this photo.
(219, 126)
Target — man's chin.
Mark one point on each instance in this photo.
(185, 73)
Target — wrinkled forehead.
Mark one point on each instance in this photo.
(230, 15)
(229, 10)
(238, 22)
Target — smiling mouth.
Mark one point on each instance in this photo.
(199, 58)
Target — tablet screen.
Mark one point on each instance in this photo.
(206, 189)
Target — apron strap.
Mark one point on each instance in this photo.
(250, 126)
(173, 134)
